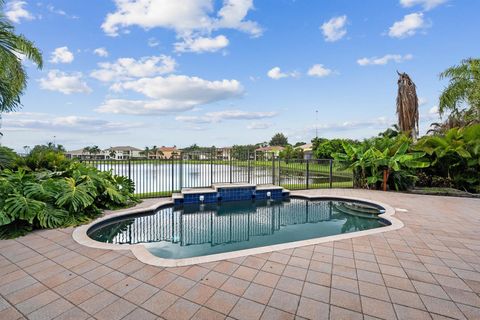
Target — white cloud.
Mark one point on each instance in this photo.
(219, 116)
(335, 28)
(101, 52)
(144, 107)
(183, 88)
(61, 55)
(408, 26)
(43, 121)
(129, 68)
(175, 93)
(426, 4)
(398, 58)
(422, 101)
(65, 83)
(202, 44)
(276, 73)
(318, 70)
(15, 11)
(259, 125)
(185, 17)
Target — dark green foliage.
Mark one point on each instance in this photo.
(370, 159)
(279, 139)
(290, 153)
(454, 157)
(324, 149)
(242, 152)
(33, 197)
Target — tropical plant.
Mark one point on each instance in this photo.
(50, 199)
(463, 89)
(13, 78)
(290, 153)
(382, 160)
(455, 155)
(407, 105)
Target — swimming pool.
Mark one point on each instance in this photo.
(188, 231)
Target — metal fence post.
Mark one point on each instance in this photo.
(180, 166)
(248, 166)
(173, 174)
(308, 173)
(331, 173)
(231, 168)
(211, 168)
(129, 168)
(273, 168)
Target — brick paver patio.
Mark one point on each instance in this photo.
(430, 269)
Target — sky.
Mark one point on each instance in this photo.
(218, 73)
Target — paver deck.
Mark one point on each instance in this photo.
(430, 269)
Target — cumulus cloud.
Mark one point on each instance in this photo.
(15, 11)
(398, 58)
(129, 68)
(426, 4)
(180, 87)
(408, 26)
(60, 12)
(318, 70)
(101, 52)
(185, 17)
(43, 121)
(202, 44)
(335, 28)
(219, 116)
(61, 55)
(174, 93)
(65, 83)
(276, 73)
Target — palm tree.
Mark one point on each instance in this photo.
(146, 152)
(154, 151)
(95, 150)
(13, 78)
(407, 105)
(463, 89)
(112, 153)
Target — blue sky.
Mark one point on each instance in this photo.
(169, 72)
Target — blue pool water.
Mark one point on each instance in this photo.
(196, 230)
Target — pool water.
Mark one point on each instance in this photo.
(186, 231)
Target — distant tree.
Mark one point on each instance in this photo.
(242, 152)
(112, 153)
(279, 139)
(146, 152)
(261, 144)
(154, 151)
(298, 144)
(290, 153)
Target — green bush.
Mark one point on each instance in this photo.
(49, 199)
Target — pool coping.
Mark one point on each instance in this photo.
(142, 254)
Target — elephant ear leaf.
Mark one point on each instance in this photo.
(22, 207)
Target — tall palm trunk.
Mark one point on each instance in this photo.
(407, 105)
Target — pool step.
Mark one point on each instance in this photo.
(229, 192)
(358, 213)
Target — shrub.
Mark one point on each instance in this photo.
(50, 199)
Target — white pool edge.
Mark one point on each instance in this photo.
(143, 255)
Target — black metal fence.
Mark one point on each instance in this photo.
(162, 177)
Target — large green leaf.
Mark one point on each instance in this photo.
(73, 196)
(20, 207)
